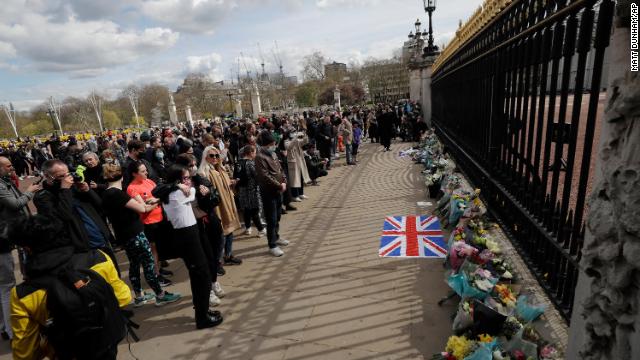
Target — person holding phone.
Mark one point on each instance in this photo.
(13, 207)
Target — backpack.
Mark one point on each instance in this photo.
(85, 319)
(240, 172)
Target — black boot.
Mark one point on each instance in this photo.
(211, 319)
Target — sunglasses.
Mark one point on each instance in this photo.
(214, 156)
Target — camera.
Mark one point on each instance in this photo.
(77, 178)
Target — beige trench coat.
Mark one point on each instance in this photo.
(298, 171)
(226, 211)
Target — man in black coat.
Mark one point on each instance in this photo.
(76, 205)
(324, 136)
(386, 128)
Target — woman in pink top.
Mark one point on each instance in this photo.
(140, 189)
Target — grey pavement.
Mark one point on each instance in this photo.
(330, 296)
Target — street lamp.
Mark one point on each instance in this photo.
(230, 95)
(430, 7)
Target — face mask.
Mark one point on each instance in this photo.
(193, 170)
(271, 148)
(159, 155)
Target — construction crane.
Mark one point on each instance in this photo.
(244, 64)
(276, 57)
(238, 70)
(263, 76)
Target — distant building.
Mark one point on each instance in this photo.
(387, 81)
(293, 80)
(335, 70)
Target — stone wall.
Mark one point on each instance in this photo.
(606, 319)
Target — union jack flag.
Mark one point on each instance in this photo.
(412, 236)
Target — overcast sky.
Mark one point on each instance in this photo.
(69, 47)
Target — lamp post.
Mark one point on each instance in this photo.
(430, 7)
(230, 95)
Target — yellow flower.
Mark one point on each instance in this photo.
(485, 338)
(459, 346)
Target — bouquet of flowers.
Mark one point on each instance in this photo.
(433, 179)
(549, 352)
(483, 280)
(505, 295)
(460, 346)
(502, 268)
(464, 316)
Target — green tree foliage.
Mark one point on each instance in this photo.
(111, 120)
(349, 95)
(307, 94)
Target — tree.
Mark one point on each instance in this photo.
(313, 66)
(307, 94)
(349, 95)
(111, 120)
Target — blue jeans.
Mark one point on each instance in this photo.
(272, 206)
(227, 243)
(348, 150)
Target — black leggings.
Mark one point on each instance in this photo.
(252, 214)
(210, 238)
(194, 258)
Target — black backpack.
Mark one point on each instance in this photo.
(85, 320)
(240, 172)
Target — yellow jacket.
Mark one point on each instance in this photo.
(29, 311)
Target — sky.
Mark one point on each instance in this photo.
(66, 48)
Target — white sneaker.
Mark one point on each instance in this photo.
(213, 299)
(304, 197)
(262, 232)
(276, 252)
(282, 242)
(247, 231)
(296, 199)
(217, 289)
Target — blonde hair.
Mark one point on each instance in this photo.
(205, 167)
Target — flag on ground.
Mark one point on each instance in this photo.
(412, 236)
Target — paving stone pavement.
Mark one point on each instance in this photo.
(330, 296)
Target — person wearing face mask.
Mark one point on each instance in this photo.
(273, 183)
(136, 153)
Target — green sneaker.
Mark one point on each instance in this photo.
(168, 298)
(142, 300)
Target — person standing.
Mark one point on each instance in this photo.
(272, 184)
(13, 208)
(357, 138)
(185, 231)
(123, 213)
(248, 191)
(140, 189)
(212, 169)
(324, 138)
(347, 136)
(386, 123)
(298, 172)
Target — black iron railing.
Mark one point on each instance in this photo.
(515, 108)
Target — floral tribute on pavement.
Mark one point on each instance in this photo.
(494, 319)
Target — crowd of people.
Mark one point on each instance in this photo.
(160, 194)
